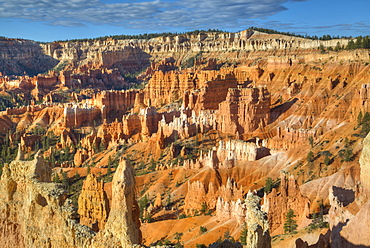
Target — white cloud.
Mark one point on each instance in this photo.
(191, 14)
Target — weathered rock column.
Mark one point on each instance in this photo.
(122, 227)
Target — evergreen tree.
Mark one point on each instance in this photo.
(351, 45)
(64, 179)
(290, 224)
(204, 208)
(359, 119)
(310, 157)
(327, 160)
(358, 43)
(365, 124)
(56, 178)
(268, 185)
(366, 42)
(311, 141)
(76, 176)
(337, 47)
(243, 235)
(109, 170)
(143, 204)
(178, 237)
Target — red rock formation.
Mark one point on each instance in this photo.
(277, 204)
(28, 142)
(195, 197)
(158, 201)
(244, 110)
(198, 195)
(27, 197)
(79, 115)
(114, 104)
(93, 206)
(80, 157)
(213, 92)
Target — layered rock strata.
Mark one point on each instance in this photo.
(244, 110)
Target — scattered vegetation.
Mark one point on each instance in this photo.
(363, 121)
(203, 229)
(315, 37)
(311, 141)
(177, 237)
(144, 36)
(143, 205)
(6, 102)
(346, 154)
(270, 184)
(318, 220)
(190, 62)
(200, 246)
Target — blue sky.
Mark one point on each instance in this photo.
(49, 20)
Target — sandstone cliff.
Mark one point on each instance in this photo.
(18, 56)
(34, 211)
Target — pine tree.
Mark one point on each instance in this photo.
(365, 124)
(311, 141)
(359, 43)
(359, 119)
(290, 224)
(310, 157)
(56, 178)
(243, 234)
(178, 237)
(109, 170)
(65, 178)
(268, 185)
(351, 45)
(76, 176)
(143, 203)
(337, 47)
(204, 208)
(327, 160)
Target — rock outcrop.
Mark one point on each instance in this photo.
(365, 164)
(258, 235)
(93, 204)
(199, 196)
(36, 212)
(277, 204)
(348, 219)
(244, 110)
(19, 56)
(122, 227)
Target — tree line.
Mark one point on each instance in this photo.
(314, 37)
(144, 36)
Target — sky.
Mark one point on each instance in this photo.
(50, 20)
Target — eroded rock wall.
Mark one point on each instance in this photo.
(36, 212)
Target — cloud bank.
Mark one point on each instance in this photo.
(157, 14)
